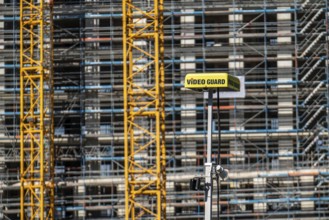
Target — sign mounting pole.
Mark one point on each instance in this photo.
(208, 164)
(209, 82)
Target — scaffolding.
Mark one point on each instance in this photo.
(274, 142)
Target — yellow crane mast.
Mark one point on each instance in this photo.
(36, 111)
(144, 109)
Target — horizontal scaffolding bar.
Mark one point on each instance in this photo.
(172, 13)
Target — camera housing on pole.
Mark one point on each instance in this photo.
(210, 82)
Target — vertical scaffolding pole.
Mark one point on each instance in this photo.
(36, 111)
(144, 115)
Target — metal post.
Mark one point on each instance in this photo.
(200, 81)
(208, 164)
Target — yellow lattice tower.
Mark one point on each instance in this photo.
(36, 111)
(144, 116)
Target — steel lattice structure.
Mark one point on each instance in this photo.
(144, 116)
(36, 111)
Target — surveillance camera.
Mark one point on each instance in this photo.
(221, 172)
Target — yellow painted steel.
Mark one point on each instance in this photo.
(144, 104)
(223, 81)
(36, 111)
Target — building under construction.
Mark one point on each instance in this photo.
(274, 141)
